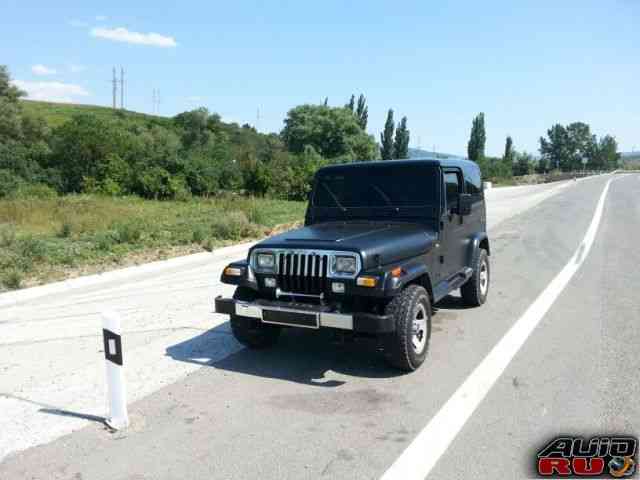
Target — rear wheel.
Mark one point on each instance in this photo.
(407, 347)
(251, 331)
(474, 292)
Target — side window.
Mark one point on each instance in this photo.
(452, 187)
(473, 182)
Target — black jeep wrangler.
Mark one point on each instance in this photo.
(382, 242)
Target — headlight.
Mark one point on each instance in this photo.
(345, 265)
(266, 261)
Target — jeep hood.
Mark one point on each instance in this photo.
(377, 242)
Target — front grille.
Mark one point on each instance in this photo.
(302, 272)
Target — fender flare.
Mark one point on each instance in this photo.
(412, 271)
(478, 239)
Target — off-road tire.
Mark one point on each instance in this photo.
(473, 294)
(398, 347)
(251, 332)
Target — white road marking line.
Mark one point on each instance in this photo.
(431, 443)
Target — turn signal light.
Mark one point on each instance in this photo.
(233, 271)
(366, 281)
(396, 272)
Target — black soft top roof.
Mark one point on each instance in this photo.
(427, 161)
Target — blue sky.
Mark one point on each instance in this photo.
(527, 65)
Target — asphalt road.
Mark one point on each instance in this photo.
(312, 407)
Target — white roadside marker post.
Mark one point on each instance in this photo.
(116, 390)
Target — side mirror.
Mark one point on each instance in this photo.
(464, 204)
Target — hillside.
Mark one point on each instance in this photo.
(630, 159)
(57, 113)
(242, 138)
(419, 153)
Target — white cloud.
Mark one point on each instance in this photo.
(77, 68)
(78, 23)
(101, 18)
(42, 70)
(51, 91)
(123, 35)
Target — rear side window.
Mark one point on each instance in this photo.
(452, 187)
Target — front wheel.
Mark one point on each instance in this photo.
(407, 347)
(251, 332)
(474, 291)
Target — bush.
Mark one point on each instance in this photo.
(11, 279)
(154, 183)
(65, 230)
(178, 189)
(257, 215)
(32, 249)
(128, 232)
(104, 241)
(9, 183)
(198, 235)
(234, 226)
(7, 235)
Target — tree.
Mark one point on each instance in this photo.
(362, 112)
(352, 104)
(523, 164)
(580, 144)
(85, 145)
(508, 150)
(542, 165)
(386, 138)
(607, 153)
(332, 132)
(10, 110)
(194, 125)
(477, 140)
(8, 91)
(566, 147)
(556, 150)
(401, 142)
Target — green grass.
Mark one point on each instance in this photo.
(52, 238)
(56, 114)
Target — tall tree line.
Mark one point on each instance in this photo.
(567, 148)
(361, 110)
(394, 141)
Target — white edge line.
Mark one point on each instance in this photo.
(421, 455)
(18, 296)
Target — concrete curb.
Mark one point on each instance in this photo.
(19, 296)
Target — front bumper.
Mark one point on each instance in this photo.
(305, 315)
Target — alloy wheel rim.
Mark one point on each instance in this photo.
(484, 278)
(419, 330)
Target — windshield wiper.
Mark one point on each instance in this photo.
(384, 196)
(333, 196)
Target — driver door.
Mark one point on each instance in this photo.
(452, 225)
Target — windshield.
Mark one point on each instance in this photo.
(380, 186)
